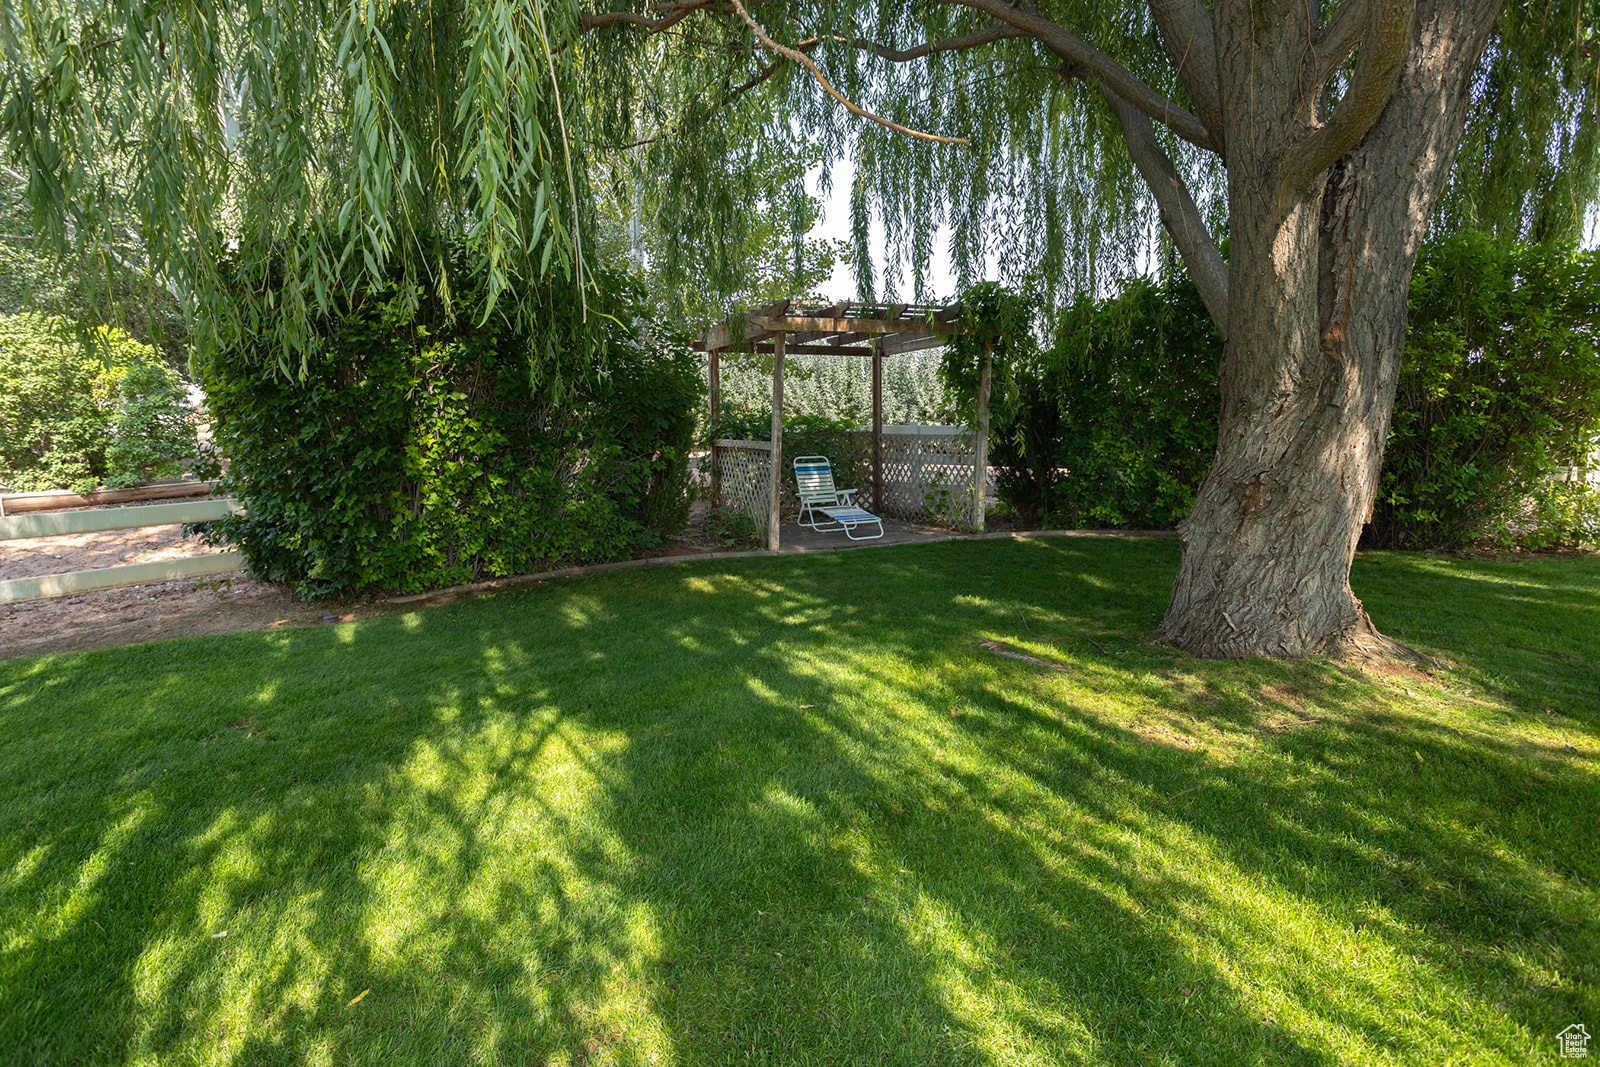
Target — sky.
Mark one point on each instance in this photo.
(835, 225)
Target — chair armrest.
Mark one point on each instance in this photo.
(844, 497)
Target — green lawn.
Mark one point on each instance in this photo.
(799, 810)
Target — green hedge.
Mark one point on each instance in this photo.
(421, 449)
(1139, 406)
(79, 411)
(1499, 388)
(1115, 422)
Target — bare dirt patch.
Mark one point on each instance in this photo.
(38, 556)
(188, 607)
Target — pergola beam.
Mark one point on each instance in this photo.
(720, 337)
(835, 324)
(822, 327)
(895, 346)
(892, 346)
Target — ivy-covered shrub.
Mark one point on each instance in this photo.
(421, 449)
(1500, 386)
(79, 411)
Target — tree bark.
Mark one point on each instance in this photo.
(1318, 278)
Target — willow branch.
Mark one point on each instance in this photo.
(95, 46)
(675, 13)
(997, 32)
(1179, 213)
(1191, 41)
(1383, 53)
(766, 72)
(854, 109)
(1081, 55)
(1338, 38)
(734, 94)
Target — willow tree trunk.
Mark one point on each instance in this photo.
(1319, 271)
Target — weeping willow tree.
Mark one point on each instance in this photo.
(1313, 141)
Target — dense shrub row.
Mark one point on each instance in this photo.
(421, 449)
(79, 411)
(1500, 387)
(1112, 422)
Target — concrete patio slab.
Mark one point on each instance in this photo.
(796, 538)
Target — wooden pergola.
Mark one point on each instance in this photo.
(869, 331)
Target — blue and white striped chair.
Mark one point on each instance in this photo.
(813, 476)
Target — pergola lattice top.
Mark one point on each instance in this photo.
(842, 329)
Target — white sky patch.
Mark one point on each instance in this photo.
(942, 284)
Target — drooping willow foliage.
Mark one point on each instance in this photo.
(1042, 190)
(321, 143)
(1529, 166)
(329, 143)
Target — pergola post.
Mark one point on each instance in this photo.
(714, 376)
(877, 425)
(980, 466)
(774, 515)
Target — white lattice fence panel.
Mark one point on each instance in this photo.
(928, 477)
(745, 469)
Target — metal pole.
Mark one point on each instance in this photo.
(774, 517)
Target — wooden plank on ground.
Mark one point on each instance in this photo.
(18, 503)
(15, 527)
(49, 585)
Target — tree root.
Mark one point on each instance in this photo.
(1362, 642)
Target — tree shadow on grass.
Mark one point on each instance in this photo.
(742, 814)
(1529, 629)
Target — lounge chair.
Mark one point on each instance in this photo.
(813, 477)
